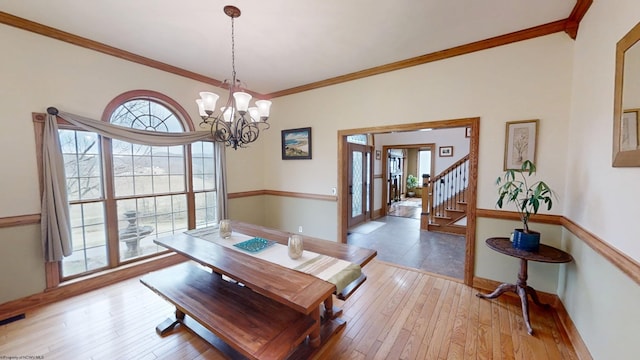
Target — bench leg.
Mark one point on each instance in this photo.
(169, 324)
(328, 308)
(314, 336)
(331, 312)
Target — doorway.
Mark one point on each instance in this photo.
(343, 177)
(400, 161)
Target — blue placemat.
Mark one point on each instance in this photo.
(254, 245)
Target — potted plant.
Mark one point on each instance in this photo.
(412, 184)
(513, 187)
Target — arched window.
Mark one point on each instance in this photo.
(123, 195)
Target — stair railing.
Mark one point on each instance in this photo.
(447, 189)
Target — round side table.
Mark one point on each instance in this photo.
(546, 254)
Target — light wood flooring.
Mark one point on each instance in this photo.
(398, 313)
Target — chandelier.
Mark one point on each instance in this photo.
(236, 124)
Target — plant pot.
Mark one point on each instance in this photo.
(526, 241)
(411, 193)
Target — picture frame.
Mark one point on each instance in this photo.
(629, 130)
(296, 144)
(520, 143)
(445, 151)
(467, 132)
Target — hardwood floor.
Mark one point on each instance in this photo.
(420, 316)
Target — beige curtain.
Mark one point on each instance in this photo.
(55, 222)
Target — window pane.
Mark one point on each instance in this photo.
(203, 166)
(357, 139)
(82, 164)
(356, 196)
(88, 238)
(206, 209)
(143, 185)
(145, 219)
(176, 183)
(146, 115)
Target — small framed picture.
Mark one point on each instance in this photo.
(296, 144)
(467, 132)
(446, 151)
(520, 143)
(378, 154)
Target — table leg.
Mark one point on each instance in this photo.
(498, 291)
(534, 295)
(522, 289)
(522, 292)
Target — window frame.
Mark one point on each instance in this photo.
(53, 269)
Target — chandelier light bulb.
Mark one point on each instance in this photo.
(209, 101)
(263, 108)
(242, 101)
(203, 114)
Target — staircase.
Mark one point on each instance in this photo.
(445, 201)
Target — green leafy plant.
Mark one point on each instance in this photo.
(513, 187)
(412, 182)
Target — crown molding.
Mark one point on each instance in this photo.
(568, 25)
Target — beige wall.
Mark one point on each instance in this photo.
(526, 80)
(600, 198)
(21, 263)
(602, 301)
(37, 72)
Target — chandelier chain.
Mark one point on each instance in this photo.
(233, 53)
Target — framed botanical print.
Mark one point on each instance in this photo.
(520, 143)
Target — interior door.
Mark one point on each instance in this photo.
(359, 200)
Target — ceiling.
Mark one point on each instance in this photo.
(284, 44)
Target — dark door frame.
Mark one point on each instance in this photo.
(343, 191)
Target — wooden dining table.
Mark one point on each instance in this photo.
(249, 307)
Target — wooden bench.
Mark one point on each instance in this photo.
(252, 324)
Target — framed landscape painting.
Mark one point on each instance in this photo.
(296, 144)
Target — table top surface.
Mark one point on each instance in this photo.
(295, 289)
(546, 253)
